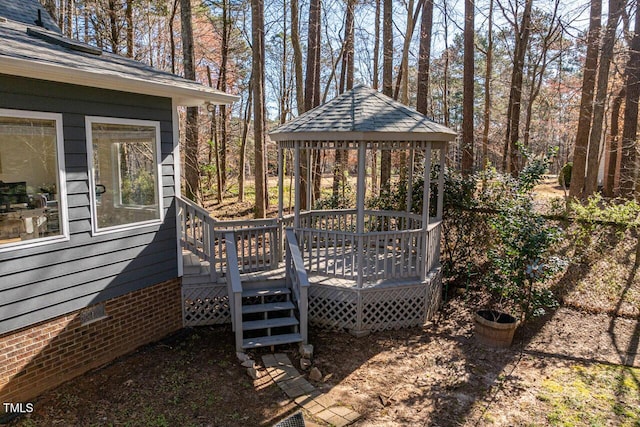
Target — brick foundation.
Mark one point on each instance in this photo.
(42, 356)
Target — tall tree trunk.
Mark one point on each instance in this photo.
(113, 26)
(172, 40)
(538, 68)
(222, 86)
(424, 57)
(387, 83)
(346, 83)
(467, 100)
(213, 144)
(487, 89)
(515, 91)
(243, 142)
(602, 87)
(282, 107)
(129, 18)
(50, 7)
(376, 47)
(257, 71)
(612, 152)
(376, 84)
(401, 91)
(297, 55)
(628, 164)
(68, 20)
(586, 101)
(312, 89)
(191, 169)
(445, 71)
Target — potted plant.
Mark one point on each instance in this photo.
(520, 259)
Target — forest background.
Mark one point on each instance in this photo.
(512, 76)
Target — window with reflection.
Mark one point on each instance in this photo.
(124, 159)
(30, 177)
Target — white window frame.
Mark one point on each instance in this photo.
(89, 121)
(62, 181)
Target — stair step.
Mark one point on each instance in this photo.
(271, 340)
(269, 323)
(265, 292)
(274, 306)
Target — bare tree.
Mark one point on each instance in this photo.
(602, 87)
(297, 55)
(129, 18)
(522, 30)
(487, 88)
(538, 66)
(586, 101)
(612, 152)
(191, 169)
(467, 100)
(628, 164)
(346, 83)
(424, 56)
(257, 72)
(387, 82)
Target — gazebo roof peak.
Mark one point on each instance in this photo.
(362, 114)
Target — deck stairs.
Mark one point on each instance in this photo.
(268, 309)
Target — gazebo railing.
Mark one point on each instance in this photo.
(371, 256)
(345, 220)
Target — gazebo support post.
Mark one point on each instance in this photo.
(360, 192)
(296, 171)
(309, 177)
(410, 184)
(441, 184)
(280, 234)
(426, 193)
(280, 181)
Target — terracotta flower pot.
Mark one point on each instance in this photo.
(495, 329)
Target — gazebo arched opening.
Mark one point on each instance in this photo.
(368, 269)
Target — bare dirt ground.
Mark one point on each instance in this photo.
(570, 368)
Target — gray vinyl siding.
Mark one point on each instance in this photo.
(46, 281)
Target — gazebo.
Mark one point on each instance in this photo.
(368, 270)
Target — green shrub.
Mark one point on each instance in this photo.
(564, 177)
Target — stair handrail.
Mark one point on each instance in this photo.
(198, 240)
(234, 287)
(297, 279)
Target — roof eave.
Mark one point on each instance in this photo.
(364, 136)
(46, 71)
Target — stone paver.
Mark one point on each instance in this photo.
(296, 387)
(305, 395)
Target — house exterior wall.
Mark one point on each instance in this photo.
(47, 281)
(44, 355)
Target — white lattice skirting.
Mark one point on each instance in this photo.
(358, 311)
(205, 305)
(365, 310)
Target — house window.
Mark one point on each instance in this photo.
(124, 159)
(32, 190)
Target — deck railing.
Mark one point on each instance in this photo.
(258, 242)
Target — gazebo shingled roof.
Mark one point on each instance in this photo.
(362, 114)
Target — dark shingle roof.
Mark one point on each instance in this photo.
(33, 56)
(362, 114)
(26, 11)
